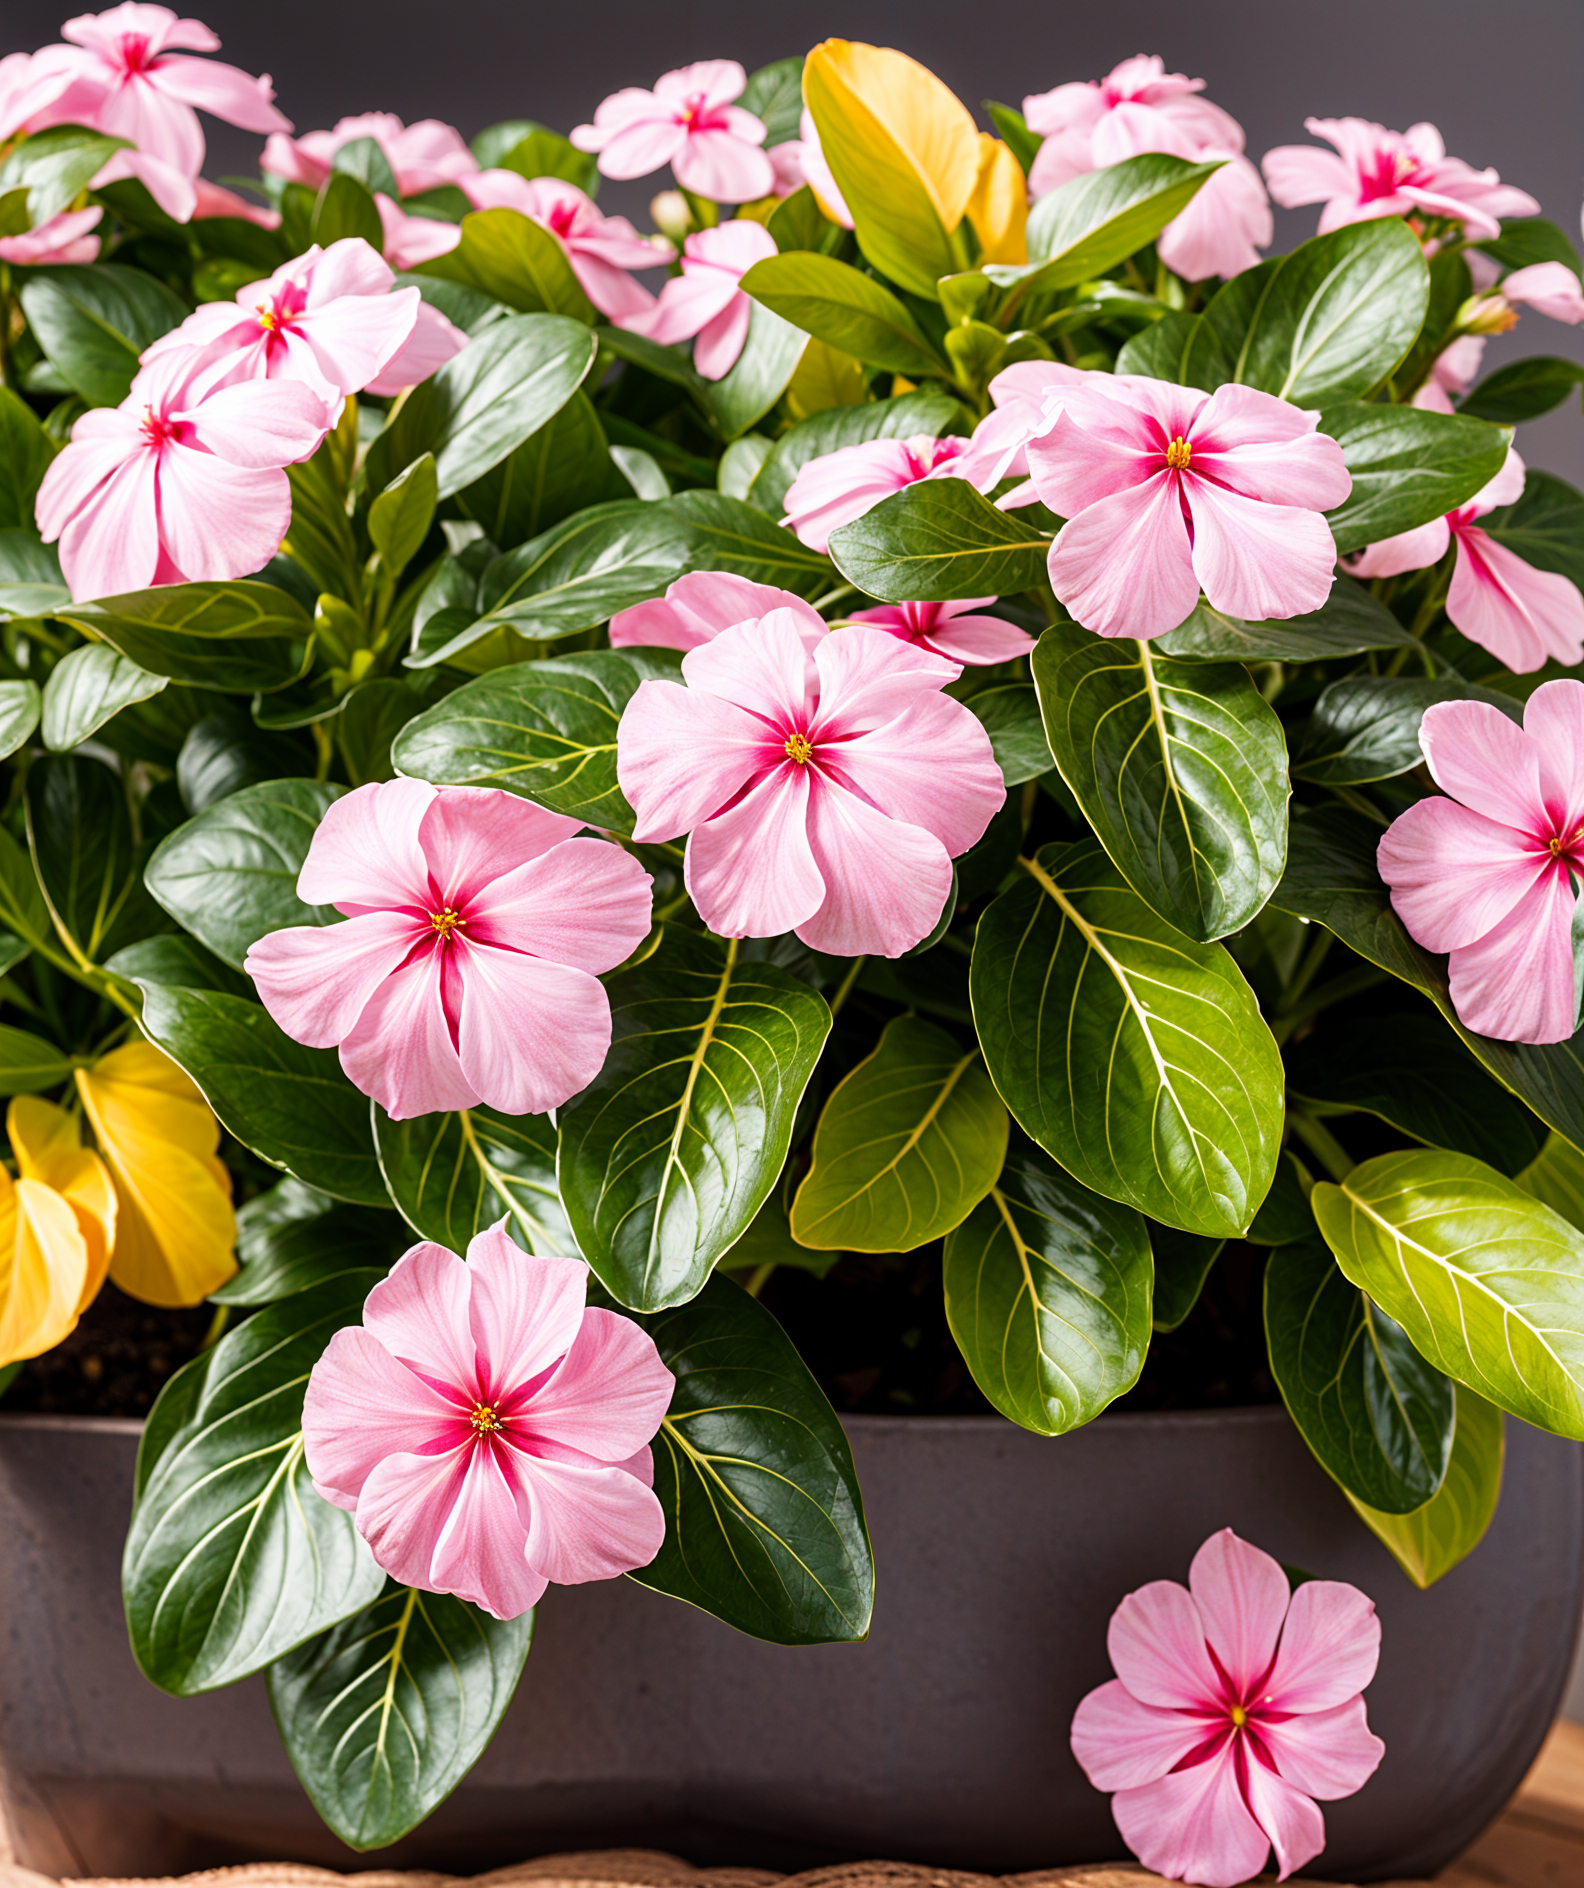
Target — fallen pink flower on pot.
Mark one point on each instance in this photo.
(698, 606)
(705, 300)
(1168, 490)
(1236, 1704)
(64, 238)
(422, 156)
(177, 484)
(1375, 172)
(1487, 873)
(468, 968)
(837, 487)
(488, 1432)
(826, 797)
(1498, 599)
(601, 249)
(954, 630)
(689, 122)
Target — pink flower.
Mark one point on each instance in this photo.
(467, 971)
(697, 607)
(825, 781)
(406, 240)
(488, 1433)
(216, 200)
(1452, 372)
(122, 80)
(1142, 107)
(329, 319)
(601, 249)
(1375, 172)
(1523, 616)
(837, 487)
(176, 485)
(422, 156)
(1550, 288)
(1167, 489)
(1029, 398)
(1235, 1705)
(705, 299)
(26, 93)
(801, 161)
(1487, 874)
(63, 238)
(952, 630)
(689, 122)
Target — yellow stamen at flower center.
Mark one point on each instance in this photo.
(445, 922)
(1178, 453)
(267, 317)
(485, 1420)
(799, 748)
(1239, 1715)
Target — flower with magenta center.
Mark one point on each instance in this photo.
(689, 122)
(837, 487)
(705, 299)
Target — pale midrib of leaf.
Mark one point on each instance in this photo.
(684, 1108)
(1035, 1304)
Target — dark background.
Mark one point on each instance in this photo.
(1502, 79)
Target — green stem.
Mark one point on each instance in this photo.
(759, 1277)
(844, 988)
(217, 1326)
(1350, 983)
(1324, 1145)
(1360, 804)
(834, 596)
(1304, 975)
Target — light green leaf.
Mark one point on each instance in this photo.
(399, 519)
(453, 1176)
(238, 636)
(1433, 1539)
(28, 1064)
(25, 454)
(758, 377)
(515, 260)
(20, 707)
(844, 308)
(1556, 1178)
(93, 321)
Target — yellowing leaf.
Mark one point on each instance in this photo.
(175, 1230)
(47, 1143)
(904, 152)
(998, 208)
(823, 378)
(43, 1263)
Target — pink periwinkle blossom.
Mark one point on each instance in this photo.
(837, 487)
(1140, 107)
(1168, 490)
(1498, 599)
(216, 200)
(64, 238)
(689, 122)
(1550, 288)
(177, 484)
(801, 161)
(705, 300)
(601, 249)
(1453, 371)
(1374, 172)
(487, 1430)
(823, 779)
(698, 606)
(408, 240)
(467, 971)
(1028, 400)
(123, 77)
(958, 631)
(1236, 1704)
(421, 156)
(331, 318)
(1488, 873)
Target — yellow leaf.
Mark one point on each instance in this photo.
(43, 1263)
(904, 153)
(175, 1230)
(823, 378)
(998, 208)
(47, 1143)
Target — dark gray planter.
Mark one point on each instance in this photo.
(942, 1739)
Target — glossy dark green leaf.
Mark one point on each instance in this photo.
(21, 705)
(54, 165)
(1180, 767)
(1545, 527)
(939, 539)
(375, 713)
(1285, 1216)
(724, 533)
(1350, 622)
(927, 411)
(844, 308)
(546, 730)
(508, 256)
(85, 854)
(294, 1236)
(86, 688)
(344, 208)
(453, 1176)
(1366, 727)
(232, 1558)
(384, 1714)
(764, 1518)
(1433, 1539)
(907, 1145)
(29, 1064)
(774, 94)
(1377, 1416)
(669, 1153)
(1407, 467)
(364, 159)
(1134, 1056)
(758, 377)
(240, 636)
(94, 321)
(290, 1104)
(230, 875)
(25, 453)
(1161, 351)
(1182, 1264)
(1048, 1296)
(173, 957)
(1011, 717)
(223, 752)
(1528, 239)
(1523, 390)
(562, 468)
(399, 519)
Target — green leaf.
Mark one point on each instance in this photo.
(345, 209)
(531, 150)
(1048, 1296)
(25, 454)
(232, 1558)
(363, 159)
(294, 1236)
(797, 222)
(927, 411)
(1523, 390)
(1163, 350)
(374, 714)
(223, 752)
(94, 321)
(1134, 1056)
(936, 540)
(1545, 528)
(764, 1518)
(383, 1715)
(20, 707)
(1487, 1281)
(1433, 1539)
(546, 730)
(399, 519)
(484, 402)
(80, 836)
(1407, 467)
(1182, 1264)
(669, 1153)
(1180, 767)
(1377, 1416)
(23, 911)
(723, 533)
(844, 308)
(86, 688)
(172, 957)
(1011, 717)
(290, 1104)
(1012, 128)
(1284, 1216)
(28, 1064)
(1529, 239)
(1556, 1178)
(562, 468)
(1366, 727)
(453, 1176)
(908, 1144)
(759, 375)
(230, 875)
(515, 260)
(1350, 622)
(774, 94)
(238, 636)
(54, 165)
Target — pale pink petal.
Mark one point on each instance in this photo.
(1268, 449)
(1520, 614)
(1479, 755)
(355, 337)
(110, 544)
(1157, 1644)
(401, 1053)
(1453, 873)
(699, 605)
(608, 285)
(608, 1395)
(1223, 228)
(588, 1523)
(586, 903)
(261, 424)
(1506, 488)
(866, 677)
(73, 476)
(637, 148)
(315, 980)
(531, 1033)
(1121, 1743)
(223, 91)
(407, 241)
(686, 305)
(524, 1312)
(833, 489)
(419, 1313)
(361, 1406)
(434, 341)
(472, 836)
(1073, 467)
(682, 754)
(977, 640)
(761, 666)
(1258, 560)
(1516, 982)
(932, 766)
(1330, 1646)
(1426, 544)
(1554, 722)
(1328, 1754)
(347, 267)
(723, 168)
(1549, 287)
(159, 126)
(750, 869)
(1291, 1820)
(886, 881)
(721, 339)
(1296, 174)
(1194, 1825)
(217, 520)
(1124, 567)
(366, 851)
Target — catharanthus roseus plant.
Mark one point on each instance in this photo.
(940, 716)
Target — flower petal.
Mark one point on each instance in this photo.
(530, 1033)
(400, 1051)
(1554, 722)
(1121, 1743)
(699, 605)
(867, 677)
(472, 836)
(1194, 1825)
(588, 1523)
(1454, 874)
(110, 544)
(682, 754)
(723, 168)
(1480, 755)
(1258, 560)
(750, 869)
(761, 666)
(1330, 1646)
(585, 903)
(609, 1393)
(366, 851)
(1291, 1820)
(315, 980)
(1520, 614)
(1242, 1595)
(1157, 1644)
(1426, 544)
(1516, 982)
(1268, 449)
(1073, 467)
(362, 1406)
(1328, 1754)
(932, 766)
(1124, 567)
(721, 339)
(219, 521)
(886, 881)
(524, 1312)
(419, 1313)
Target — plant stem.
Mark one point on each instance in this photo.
(844, 988)
(1323, 1144)
(1351, 798)
(759, 1277)
(1304, 975)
